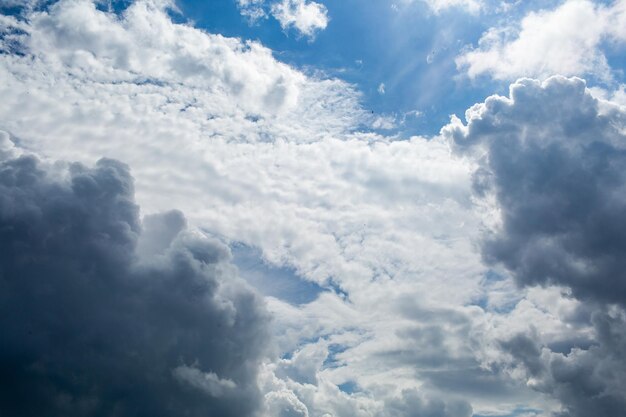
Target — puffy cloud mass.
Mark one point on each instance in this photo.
(556, 161)
(305, 16)
(93, 326)
(553, 158)
(567, 40)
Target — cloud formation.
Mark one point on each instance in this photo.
(567, 40)
(405, 317)
(306, 17)
(92, 327)
(554, 161)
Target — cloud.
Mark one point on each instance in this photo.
(253, 10)
(304, 16)
(587, 379)
(555, 164)
(205, 381)
(567, 40)
(307, 17)
(472, 6)
(553, 158)
(411, 404)
(236, 89)
(145, 46)
(385, 227)
(92, 327)
(442, 6)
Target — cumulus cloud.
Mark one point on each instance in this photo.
(567, 40)
(145, 46)
(304, 16)
(90, 327)
(556, 164)
(553, 158)
(307, 17)
(585, 372)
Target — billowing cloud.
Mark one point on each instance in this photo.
(567, 40)
(91, 327)
(556, 162)
(553, 158)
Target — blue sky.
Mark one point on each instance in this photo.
(405, 46)
(369, 45)
(335, 208)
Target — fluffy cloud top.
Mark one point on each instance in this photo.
(566, 41)
(92, 328)
(307, 17)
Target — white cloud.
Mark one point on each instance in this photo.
(253, 10)
(615, 96)
(440, 6)
(304, 16)
(307, 17)
(567, 41)
(472, 6)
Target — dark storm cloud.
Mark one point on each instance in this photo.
(557, 165)
(555, 159)
(91, 326)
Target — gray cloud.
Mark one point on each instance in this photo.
(411, 403)
(92, 326)
(588, 382)
(557, 165)
(554, 158)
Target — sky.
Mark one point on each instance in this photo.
(313, 208)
